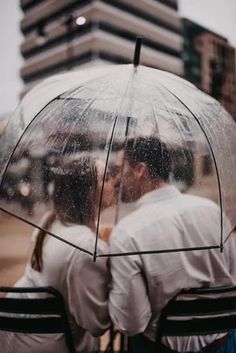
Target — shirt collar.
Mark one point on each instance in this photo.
(157, 195)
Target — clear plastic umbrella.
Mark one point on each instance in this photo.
(94, 113)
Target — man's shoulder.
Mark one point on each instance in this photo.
(162, 215)
(134, 224)
(126, 226)
(198, 201)
(134, 218)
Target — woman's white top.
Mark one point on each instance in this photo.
(83, 284)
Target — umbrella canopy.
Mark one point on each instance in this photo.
(94, 113)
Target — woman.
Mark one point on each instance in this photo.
(83, 283)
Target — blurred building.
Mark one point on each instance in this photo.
(65, 34)
(209, 63)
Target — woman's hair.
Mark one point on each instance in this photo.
(75, 186)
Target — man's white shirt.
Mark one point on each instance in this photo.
(143, 284)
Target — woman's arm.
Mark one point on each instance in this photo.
(88, 291)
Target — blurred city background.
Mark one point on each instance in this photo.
(194, 39)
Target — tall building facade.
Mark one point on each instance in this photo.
(209, 63)
(64, 34)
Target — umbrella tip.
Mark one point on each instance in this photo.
(94, 256)
(137, 51)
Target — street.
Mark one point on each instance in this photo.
(15, 241)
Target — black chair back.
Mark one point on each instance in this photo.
(39, 315)
(202, 311)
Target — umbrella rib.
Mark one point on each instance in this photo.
(160, 251)
(47, 231)
(213, 156)
(106, 166)
(125, 143)
(103, 182)
(3, 180)
(228, 236)
(122, 171)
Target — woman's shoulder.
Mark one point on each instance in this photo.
(79, 235)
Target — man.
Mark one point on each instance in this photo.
(164, 219)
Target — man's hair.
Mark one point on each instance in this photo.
(152, 152)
